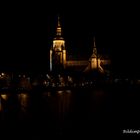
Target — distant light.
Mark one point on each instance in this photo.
(2, 74)
(4, 96)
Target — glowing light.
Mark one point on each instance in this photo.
(2, 74)
(4, 96)
(64, 57)
(23, 97)
(60, 92)
(57, 44)
(58, 41)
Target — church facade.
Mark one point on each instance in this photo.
(59, 54)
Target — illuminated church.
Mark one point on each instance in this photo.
(59, 57)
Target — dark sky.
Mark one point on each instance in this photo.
(28, 28)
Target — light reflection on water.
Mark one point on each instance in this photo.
(23, 100)
(54, 109)
(3, 98)
(58, 101)
(66, 109)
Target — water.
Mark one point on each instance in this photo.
(80, 112)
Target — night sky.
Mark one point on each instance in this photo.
(28, 28)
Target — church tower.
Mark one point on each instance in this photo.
(94, 57)
(95, 60)
(58, 51)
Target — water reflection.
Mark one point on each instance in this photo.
(24, 101)
(58, 103)
(3, 99)
(67, 111)
(56, 106)
(4, 96)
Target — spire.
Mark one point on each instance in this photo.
(58, 25)
(94, 42)
(94, 48)
(59, 30)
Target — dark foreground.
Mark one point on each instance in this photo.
(96, 112)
